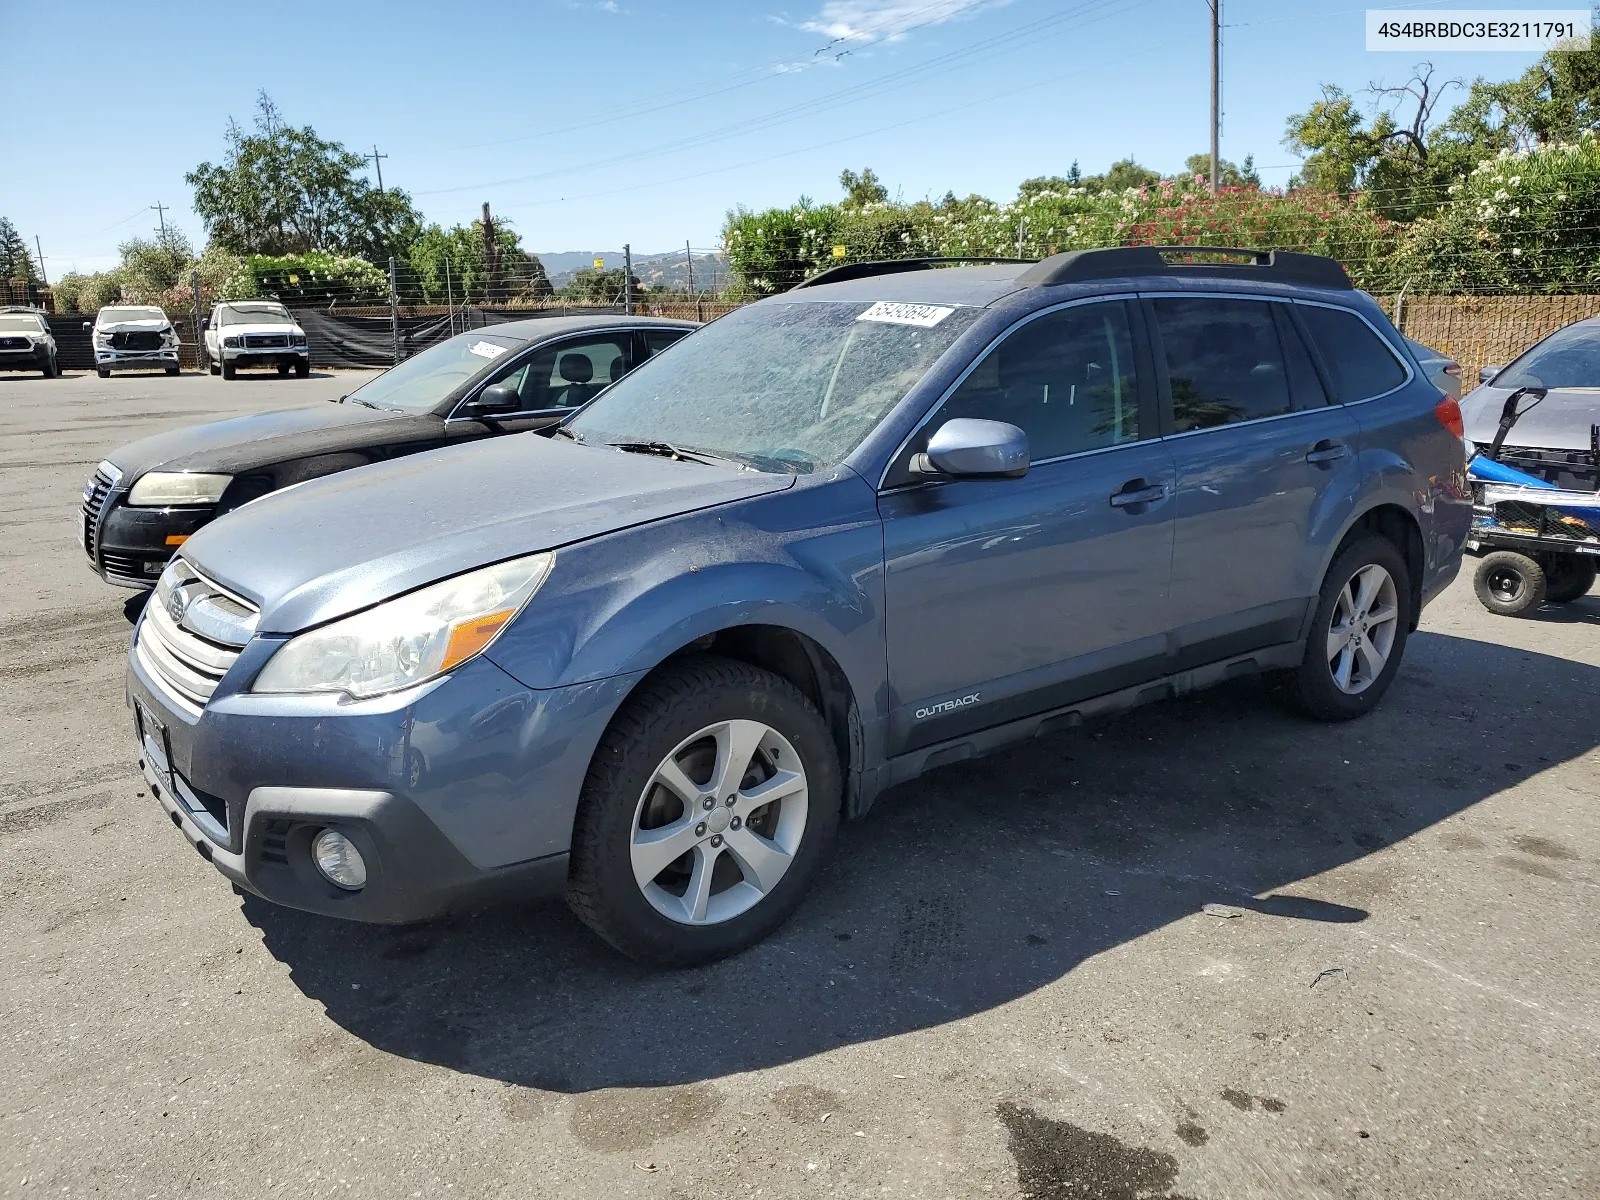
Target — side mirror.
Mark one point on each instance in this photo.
(497, 397)
(205, 323)
(87, 326)
(967, 448)
(1486, 374)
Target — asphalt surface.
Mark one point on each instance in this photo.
(1004, 986)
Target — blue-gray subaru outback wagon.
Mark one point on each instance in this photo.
(902, 515)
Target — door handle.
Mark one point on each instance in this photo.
(1326, 451)
(1133, 494)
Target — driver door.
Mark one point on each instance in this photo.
(1009, 597)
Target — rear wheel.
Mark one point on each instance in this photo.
(215, 367)
(1358, 634)
(1509, 583)
(1567, 577)
(707, 812)
(283, 368)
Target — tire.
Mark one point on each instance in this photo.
(302, 370)
(49, 369)
(227, 369)
(214, 367)
(681, 716)
(1509, 583)
(102, 372)
(1340, 684)
(283, 368)
(1567, 577)
(172, 370)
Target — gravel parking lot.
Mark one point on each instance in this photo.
(1004, 985)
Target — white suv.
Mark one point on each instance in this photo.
(137, 336)
(255, 333)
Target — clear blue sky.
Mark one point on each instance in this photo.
(593, 123)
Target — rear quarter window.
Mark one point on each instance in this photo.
(1361, 363)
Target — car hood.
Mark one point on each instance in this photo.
(129, 326)
(231, 330)
(242, 443)
(331, 546)
(1560, 421)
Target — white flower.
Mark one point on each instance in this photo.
(1516, 251)
(1516, 179)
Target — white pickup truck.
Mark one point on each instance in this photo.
(255, 333)
(135, 336)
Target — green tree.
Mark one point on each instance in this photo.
(282, 190)
(152, 267)
(15, 261)
(1228, 174)
(1120, 176)
(589, 286)
(521, 275)
(863, 189)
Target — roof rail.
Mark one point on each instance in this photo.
(865, 270)
(1279, 266)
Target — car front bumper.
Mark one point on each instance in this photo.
(294, 356)
(32, 359)
(128, 360)
(457, 793)
(131, 546)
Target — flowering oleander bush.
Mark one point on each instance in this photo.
(315, 278)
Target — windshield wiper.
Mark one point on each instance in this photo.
(668, 450)
(363, 403)
(563, 431)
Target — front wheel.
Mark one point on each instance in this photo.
(1358, 633)
(1568, 577)
(707, 812)
(1509, 583)
(103, 372)
(172, 370)
(302, 370)
(227, 370)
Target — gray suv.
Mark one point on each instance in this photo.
(903, 515)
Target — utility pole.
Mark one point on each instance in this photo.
(1216, 93)
(161, 215)
(199, 337)
(449, 298)
(491, 256)
(394, 313)
(40, 249)
(377, 161)
(688, 260)
(627, 279)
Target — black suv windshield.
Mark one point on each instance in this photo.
(785, 386)
(423, 381)
(1569, 358)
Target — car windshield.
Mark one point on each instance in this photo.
(424, 380)
(20, 323)
(256, 314)
(791, 386)
(116, 316)
(1568, 358)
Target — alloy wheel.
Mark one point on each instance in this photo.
(719, 823)
(1362, 629)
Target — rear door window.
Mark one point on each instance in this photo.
(657, 340)
(1224, 360)
(1305, 385)
(571, 373)
(1361, 364)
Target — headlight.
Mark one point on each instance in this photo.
(410, 639)
(161, 488)
(231, 343)
(297, 339)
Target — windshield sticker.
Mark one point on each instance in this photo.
(925, 316)
(486, 349)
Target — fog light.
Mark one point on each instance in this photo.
(339, 861)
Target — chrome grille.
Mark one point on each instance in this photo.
(191, 633)
(95, 494)
(266, 341)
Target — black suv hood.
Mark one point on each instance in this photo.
(331, 546)
(243, 443)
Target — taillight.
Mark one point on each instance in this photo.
(1453, 369)
(1449, 414)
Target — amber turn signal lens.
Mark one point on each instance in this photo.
(469, 637)
(177, 539)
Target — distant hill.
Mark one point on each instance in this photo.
(666, 271)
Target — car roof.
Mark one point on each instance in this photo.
(977, 286)
(535, 329)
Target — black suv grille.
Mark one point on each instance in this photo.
(95, 496)
(136, 339)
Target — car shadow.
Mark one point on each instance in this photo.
(974, 885)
